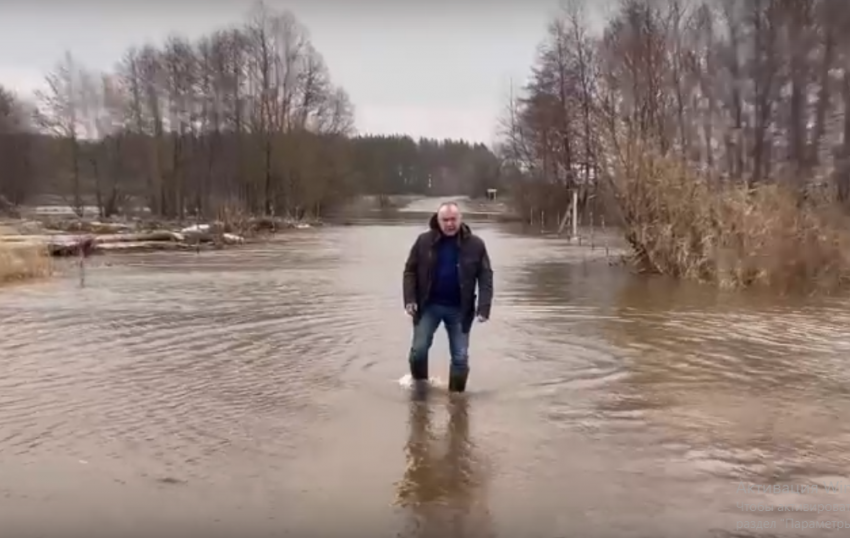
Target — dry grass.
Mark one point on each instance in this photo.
(23, 261)
(684, 225)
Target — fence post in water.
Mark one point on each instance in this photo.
(592, 226)
(604, 237)
(575, 215)
(81, 253)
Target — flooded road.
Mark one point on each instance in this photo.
(256, 392)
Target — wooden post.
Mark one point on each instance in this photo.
(604, 237)
(562, 221)
(82, 261)
(575, 215)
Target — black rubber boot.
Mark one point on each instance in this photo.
(457, 381)
(419, 370)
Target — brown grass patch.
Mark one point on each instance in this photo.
(682, 224)
(23, 261)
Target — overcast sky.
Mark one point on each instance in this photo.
(437, 68)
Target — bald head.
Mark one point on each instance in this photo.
(449, 218)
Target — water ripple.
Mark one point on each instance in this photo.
(272, 370)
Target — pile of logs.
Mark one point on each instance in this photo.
(191, 238)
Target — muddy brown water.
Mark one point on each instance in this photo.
(256, 392)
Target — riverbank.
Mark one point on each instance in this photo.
(27, 246)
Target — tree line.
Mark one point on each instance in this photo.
(748, 93)
(402, 165)
(246, 118)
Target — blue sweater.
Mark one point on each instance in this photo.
(445, 289)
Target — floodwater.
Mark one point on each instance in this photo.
(256, 391)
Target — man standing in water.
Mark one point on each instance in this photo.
(442, 270)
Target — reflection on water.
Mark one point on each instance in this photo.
(443, 483)
(256, 389)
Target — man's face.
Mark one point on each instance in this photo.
(448, 217)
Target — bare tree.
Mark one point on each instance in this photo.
(59, 113)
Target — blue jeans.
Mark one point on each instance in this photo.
(424, 330)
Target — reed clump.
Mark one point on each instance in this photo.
(681, 223)
(23, 261)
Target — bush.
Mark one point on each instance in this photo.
(20, 261)
(681, 223)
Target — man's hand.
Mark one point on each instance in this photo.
(410, 309)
